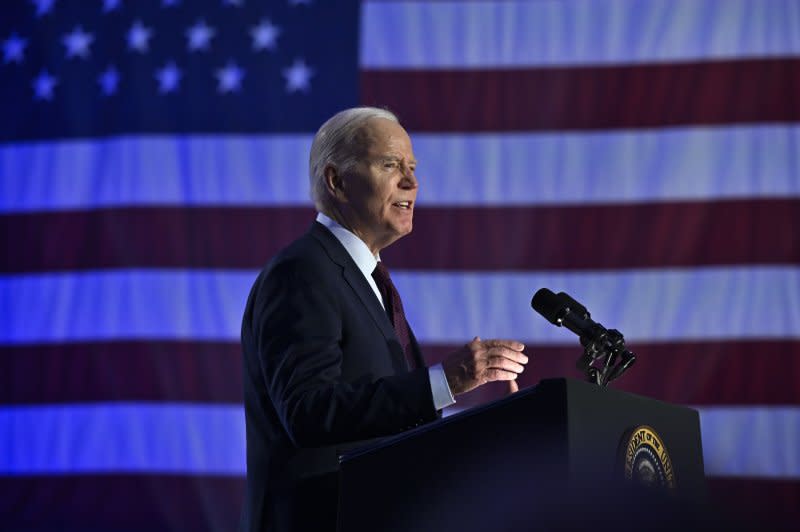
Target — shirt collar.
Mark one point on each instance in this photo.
(355, 247)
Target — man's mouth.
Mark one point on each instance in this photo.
(402, 204)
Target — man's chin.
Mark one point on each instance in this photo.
(405, 229)
(398, 232)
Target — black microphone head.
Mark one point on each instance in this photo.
(549, 305)
(573, 305)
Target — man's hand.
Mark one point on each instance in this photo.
(482, 361)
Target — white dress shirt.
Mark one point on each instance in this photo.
(366, 262)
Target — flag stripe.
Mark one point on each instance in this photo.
(589, 98)
(206, 503)
(169, 438)
(659, 305)
(443, 35)
(755, 372)
(738, 441)
(152, 170)
(202, 439)
(693, 163)
(767, 504)
(153, 503)
(523, 238)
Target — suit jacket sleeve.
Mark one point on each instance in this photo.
(298, 330)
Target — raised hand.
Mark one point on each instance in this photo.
(482, 361)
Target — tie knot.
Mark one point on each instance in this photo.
(381, 274)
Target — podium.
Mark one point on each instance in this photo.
(549, 457)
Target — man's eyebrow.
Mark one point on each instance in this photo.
(395, 158)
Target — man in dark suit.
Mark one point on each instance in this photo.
(329, 359)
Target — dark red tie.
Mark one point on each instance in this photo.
(394, 308)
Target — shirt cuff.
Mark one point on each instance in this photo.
(442, 396)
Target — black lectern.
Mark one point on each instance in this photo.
(550, 457)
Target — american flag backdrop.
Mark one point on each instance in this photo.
(641, 155)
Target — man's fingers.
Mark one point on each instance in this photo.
(499, 375)
(513, 387)
(511, 344)
(499, 362)
(510, 354)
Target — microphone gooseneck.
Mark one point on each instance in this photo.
(603, 346)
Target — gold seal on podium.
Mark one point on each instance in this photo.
(646, 459)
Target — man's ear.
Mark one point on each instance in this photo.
(334, 182)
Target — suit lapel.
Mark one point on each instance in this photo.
(355, 279)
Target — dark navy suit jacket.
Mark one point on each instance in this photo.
(323, 370)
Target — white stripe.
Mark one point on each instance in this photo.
(615, 167)
(404, 35)
(443, 307)
(135, 438)
(751, 441)
(486, 169)
(155, 170)
(210, 439)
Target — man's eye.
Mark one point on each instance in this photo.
(390, 164)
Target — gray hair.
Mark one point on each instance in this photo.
(336, 144)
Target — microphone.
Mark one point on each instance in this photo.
(564, 311)
(561, 310)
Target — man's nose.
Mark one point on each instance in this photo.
(409, 180)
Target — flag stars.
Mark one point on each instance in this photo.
(43, 86)
(108, 81)
(110, 5)
(139, 37)
(298, 76)
(264, 36)
(229, 78)
(169, 78)
(234, 3)
(199, 36)
(43, 7)
(78, 43)
(298, 2)
(14, 49)
(169, 3)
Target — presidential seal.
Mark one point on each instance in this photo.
(646, 460)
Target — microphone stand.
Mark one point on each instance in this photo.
(608, 347)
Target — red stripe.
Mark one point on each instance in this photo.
(121, 503)
(197, 503)
(579, 98)
(121, 371)
(756, 372)
(692, 373)
(758, 504)
(208, 237)
(653, 235)
(486, 238)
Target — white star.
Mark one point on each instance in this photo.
(199, 36)
(169, 3)
(14, 49)
(298, 2)
(229, 78)
(43, 7)
(43, 86)
(78, 43)
(236, 3)
(108, 81)
(298, 76)
(139, 37)
(169, 78)
(264, 35)
(110, 5)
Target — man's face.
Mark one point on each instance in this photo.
(381, 188)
